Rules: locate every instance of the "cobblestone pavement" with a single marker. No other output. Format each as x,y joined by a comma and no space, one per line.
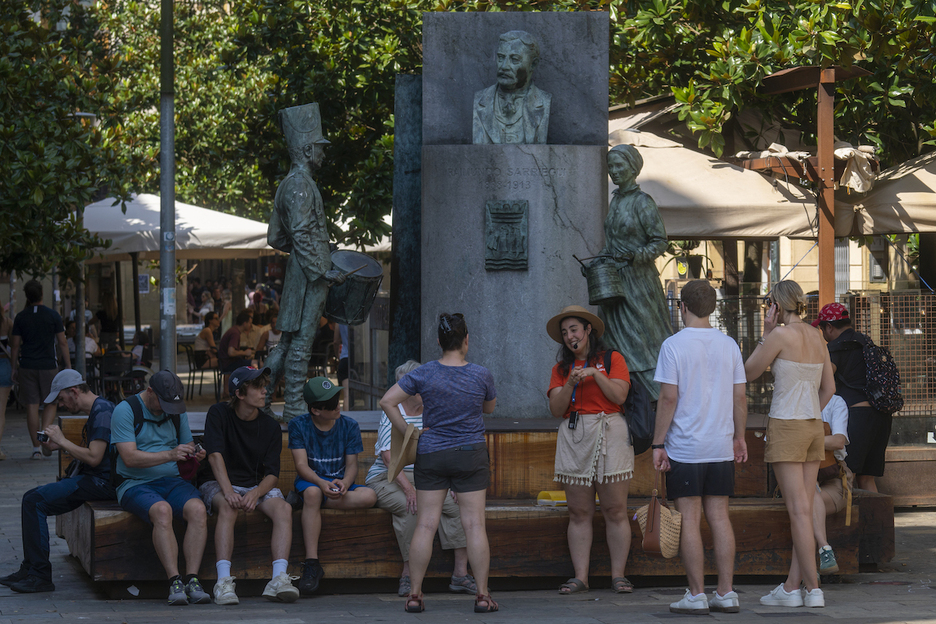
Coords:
901,591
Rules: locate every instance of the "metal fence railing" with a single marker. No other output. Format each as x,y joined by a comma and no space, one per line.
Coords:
904,322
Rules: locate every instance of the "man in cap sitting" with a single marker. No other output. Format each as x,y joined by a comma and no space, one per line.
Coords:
243,446
88,479
151,433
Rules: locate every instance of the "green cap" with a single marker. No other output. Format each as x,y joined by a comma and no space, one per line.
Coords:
319,389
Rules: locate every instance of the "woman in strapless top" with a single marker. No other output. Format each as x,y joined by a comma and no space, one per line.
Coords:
803,384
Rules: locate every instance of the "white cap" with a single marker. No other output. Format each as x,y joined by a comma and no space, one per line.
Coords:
68,378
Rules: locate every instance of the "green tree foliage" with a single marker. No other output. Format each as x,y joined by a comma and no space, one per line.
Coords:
52,67
714,55
218,119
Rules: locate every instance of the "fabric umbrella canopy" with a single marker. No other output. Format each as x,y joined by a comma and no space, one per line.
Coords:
200,233
702,197
902,200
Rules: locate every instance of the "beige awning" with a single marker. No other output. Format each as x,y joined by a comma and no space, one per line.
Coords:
200,233
903,200
702,197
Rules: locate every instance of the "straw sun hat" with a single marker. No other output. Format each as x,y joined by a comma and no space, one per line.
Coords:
555,332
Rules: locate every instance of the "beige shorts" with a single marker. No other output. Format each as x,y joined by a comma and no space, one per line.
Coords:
834,490
794,441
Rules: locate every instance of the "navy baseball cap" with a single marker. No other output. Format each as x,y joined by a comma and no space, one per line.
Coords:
242,375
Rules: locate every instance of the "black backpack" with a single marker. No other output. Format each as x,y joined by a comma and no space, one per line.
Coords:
883,379
138,419
639,412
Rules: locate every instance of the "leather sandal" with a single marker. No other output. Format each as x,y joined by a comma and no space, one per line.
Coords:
419,607
573,586
489,606
621,585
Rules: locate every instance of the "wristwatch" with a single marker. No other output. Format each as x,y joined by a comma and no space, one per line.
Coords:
657,446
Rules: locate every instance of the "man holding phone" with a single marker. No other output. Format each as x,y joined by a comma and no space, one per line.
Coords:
88,479
149,484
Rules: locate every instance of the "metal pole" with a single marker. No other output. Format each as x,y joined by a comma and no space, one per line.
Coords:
167,288
79,363
825,122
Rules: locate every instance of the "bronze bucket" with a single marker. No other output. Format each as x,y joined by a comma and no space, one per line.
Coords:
604,281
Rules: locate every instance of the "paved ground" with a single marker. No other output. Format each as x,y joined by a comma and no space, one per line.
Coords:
902,591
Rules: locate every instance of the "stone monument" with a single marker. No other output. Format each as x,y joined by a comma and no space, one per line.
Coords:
297,227
501,221
514,110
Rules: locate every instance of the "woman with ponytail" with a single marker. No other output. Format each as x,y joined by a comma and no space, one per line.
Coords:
803,384
452,454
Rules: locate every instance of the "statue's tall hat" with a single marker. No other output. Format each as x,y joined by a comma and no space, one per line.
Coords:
302,125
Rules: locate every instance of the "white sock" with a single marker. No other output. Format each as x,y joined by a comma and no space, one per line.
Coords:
36,449
224,568
824,548
279,567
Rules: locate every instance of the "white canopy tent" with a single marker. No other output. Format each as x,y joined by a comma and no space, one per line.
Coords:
702,197
200,233
902,200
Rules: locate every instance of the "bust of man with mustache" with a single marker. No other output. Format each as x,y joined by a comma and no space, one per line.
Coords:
514,110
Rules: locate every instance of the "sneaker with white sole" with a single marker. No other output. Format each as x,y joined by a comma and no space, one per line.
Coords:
827,563
281,589
813,599
224,591
724,604
691,605
780,597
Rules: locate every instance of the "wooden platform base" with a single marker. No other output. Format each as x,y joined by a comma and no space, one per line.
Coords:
526,541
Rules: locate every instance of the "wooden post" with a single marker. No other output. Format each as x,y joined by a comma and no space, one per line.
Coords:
826,141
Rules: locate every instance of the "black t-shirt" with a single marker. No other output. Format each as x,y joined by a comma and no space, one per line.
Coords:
108,325
851,374
38,325
251,449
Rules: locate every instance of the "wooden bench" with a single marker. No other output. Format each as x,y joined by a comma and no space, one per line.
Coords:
526,540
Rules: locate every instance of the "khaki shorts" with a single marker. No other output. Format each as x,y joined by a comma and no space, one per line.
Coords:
794,441
35,385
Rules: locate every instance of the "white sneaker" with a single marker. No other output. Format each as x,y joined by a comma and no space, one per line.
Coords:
224,591
725,604
814,598
780,597
691,605
281,589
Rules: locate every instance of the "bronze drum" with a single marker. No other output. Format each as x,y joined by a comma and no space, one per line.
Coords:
604,282
350,303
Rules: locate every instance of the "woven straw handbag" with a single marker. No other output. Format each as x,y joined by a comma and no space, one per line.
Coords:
659,525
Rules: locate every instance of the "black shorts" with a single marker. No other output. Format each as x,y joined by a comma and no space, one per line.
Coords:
342,370
711,479
868,434
460,469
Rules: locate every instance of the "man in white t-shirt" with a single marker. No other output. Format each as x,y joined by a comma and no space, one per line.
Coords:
701,417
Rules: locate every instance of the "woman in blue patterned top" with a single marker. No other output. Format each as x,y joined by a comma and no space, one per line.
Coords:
451,454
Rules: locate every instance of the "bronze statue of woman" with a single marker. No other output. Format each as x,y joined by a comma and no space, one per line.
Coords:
635,238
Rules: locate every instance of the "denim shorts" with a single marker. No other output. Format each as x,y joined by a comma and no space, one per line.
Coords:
6,373
173,490
301,485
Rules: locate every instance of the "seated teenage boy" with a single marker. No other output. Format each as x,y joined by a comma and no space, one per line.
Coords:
243,446
831,492
324,446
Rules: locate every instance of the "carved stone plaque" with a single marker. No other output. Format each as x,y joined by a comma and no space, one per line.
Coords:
505,236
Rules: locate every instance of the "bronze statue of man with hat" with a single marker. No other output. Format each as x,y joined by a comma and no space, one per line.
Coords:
297,227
